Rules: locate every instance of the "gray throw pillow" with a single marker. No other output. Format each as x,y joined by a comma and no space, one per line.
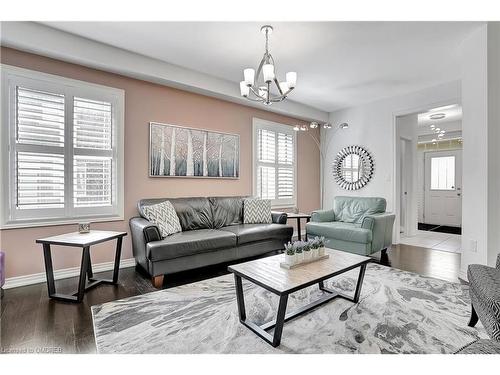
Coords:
257,211
164,216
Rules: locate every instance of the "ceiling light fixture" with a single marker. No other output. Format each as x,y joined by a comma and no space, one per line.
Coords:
437,116
258,90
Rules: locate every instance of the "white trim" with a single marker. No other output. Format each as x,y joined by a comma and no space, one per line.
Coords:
257,124
46,41
12,218
36,278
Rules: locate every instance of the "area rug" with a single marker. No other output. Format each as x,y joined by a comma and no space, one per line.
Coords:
398,312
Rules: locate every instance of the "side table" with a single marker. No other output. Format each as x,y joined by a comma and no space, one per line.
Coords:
298,217
83,240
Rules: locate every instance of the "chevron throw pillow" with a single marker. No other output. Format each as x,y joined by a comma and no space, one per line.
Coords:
164,216
257,211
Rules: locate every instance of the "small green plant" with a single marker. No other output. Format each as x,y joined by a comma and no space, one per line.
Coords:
297,246
306,246
321,241
314,243
289,250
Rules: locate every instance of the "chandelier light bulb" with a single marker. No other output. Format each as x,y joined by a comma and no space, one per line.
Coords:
303,128
296,128
327,125
433,126
244,89
313,125
284,87
291,79
268,72
249,75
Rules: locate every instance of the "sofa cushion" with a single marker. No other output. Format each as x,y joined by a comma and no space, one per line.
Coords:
226,211
353,209
340,231
164,217
189,243
257,211
247,233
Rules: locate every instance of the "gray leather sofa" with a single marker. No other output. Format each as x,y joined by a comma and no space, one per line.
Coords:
212,232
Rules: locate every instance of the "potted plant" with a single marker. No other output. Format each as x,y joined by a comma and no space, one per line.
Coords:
314,243
321,245
299,256
307,251
289,254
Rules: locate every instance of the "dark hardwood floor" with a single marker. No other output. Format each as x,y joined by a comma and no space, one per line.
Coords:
31,322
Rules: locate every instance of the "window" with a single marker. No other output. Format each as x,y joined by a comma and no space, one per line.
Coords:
443,173
64,158
274,162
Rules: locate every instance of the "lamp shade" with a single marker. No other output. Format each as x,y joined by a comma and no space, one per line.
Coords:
249,76
268,72
291,79
244,89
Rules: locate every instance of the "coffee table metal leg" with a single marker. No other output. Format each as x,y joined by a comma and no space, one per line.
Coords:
240,298
280,320
359,283
299,236
357,291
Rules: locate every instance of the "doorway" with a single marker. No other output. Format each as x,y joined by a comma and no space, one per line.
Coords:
429,181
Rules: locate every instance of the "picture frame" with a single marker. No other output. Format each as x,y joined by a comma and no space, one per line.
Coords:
196,153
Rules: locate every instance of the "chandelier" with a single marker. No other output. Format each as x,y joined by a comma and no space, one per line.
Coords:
259,90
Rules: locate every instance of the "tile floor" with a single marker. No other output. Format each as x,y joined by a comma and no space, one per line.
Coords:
434,240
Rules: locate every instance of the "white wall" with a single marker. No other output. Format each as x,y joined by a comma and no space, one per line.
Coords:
373,125
481,170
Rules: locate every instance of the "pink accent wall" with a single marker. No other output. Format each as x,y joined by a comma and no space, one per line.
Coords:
145,102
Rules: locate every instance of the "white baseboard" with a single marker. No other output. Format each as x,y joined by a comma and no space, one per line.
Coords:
14,282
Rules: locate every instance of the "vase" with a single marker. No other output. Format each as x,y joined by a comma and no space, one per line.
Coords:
299,258
315,253
307,255
321,251
290,259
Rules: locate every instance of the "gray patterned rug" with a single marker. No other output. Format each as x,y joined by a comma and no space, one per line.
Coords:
399,312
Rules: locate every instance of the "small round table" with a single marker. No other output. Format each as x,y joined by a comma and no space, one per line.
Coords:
298,217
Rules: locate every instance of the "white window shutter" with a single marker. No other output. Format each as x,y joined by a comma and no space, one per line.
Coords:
274,148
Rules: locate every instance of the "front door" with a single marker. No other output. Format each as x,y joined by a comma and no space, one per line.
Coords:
443,188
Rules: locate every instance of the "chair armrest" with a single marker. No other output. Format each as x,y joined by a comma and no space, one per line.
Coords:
322,215
498,261
279,217
381,226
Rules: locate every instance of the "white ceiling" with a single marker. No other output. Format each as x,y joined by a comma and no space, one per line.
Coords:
452,113
339,64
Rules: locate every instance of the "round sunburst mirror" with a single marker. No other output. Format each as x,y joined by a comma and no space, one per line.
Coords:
353,167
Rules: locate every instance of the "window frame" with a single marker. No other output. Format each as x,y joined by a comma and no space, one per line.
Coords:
10,217
258,124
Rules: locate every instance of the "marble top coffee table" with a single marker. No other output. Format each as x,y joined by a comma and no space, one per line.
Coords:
268,274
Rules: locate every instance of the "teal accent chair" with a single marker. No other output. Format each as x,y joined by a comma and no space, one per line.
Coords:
358,225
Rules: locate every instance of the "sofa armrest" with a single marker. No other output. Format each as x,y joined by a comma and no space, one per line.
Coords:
322,215
279,217
498,261
143,231
381,226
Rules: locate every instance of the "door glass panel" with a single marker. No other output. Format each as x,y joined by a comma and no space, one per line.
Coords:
443,173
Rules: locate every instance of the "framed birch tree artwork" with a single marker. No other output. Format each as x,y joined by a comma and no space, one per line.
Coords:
176,151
